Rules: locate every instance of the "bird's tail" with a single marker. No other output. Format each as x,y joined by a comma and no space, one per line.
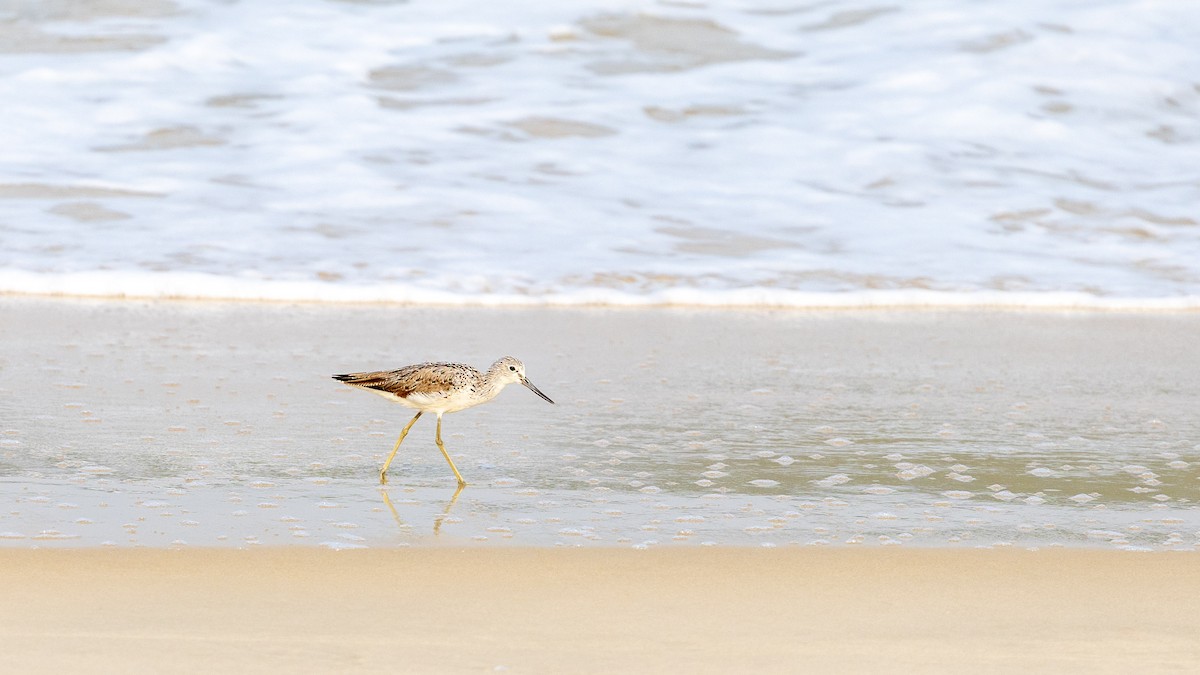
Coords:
360,379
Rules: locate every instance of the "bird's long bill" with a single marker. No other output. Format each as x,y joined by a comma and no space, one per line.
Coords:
535,390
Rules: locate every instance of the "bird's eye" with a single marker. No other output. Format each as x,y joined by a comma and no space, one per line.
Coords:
513,368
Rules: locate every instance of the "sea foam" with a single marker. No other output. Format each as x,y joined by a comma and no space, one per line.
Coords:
732,154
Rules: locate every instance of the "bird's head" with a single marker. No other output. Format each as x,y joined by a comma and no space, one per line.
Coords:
512,371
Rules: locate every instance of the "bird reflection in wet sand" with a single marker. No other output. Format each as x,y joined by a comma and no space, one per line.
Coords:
437,520
439,388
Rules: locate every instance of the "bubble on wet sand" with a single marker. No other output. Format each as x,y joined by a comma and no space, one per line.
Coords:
912,471
340,545
54,535
764,483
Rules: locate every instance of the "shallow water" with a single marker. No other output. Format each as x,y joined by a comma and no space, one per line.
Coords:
733,152
197,424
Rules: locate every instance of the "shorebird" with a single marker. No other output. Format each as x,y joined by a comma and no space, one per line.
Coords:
439,388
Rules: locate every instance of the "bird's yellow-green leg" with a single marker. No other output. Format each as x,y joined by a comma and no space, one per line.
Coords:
383,471
445,454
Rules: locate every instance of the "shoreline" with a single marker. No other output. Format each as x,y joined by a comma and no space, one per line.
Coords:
599,610
847,301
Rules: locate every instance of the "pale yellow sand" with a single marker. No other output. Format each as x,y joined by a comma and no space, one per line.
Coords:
599,610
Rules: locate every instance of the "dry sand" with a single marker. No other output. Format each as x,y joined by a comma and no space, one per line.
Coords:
599,610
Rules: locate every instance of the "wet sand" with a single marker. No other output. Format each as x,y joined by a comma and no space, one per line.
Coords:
215,424
599,610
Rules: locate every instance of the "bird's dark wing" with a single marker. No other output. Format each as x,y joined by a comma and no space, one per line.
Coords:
422,379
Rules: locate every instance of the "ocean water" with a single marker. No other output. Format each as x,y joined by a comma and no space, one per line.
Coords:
769,153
